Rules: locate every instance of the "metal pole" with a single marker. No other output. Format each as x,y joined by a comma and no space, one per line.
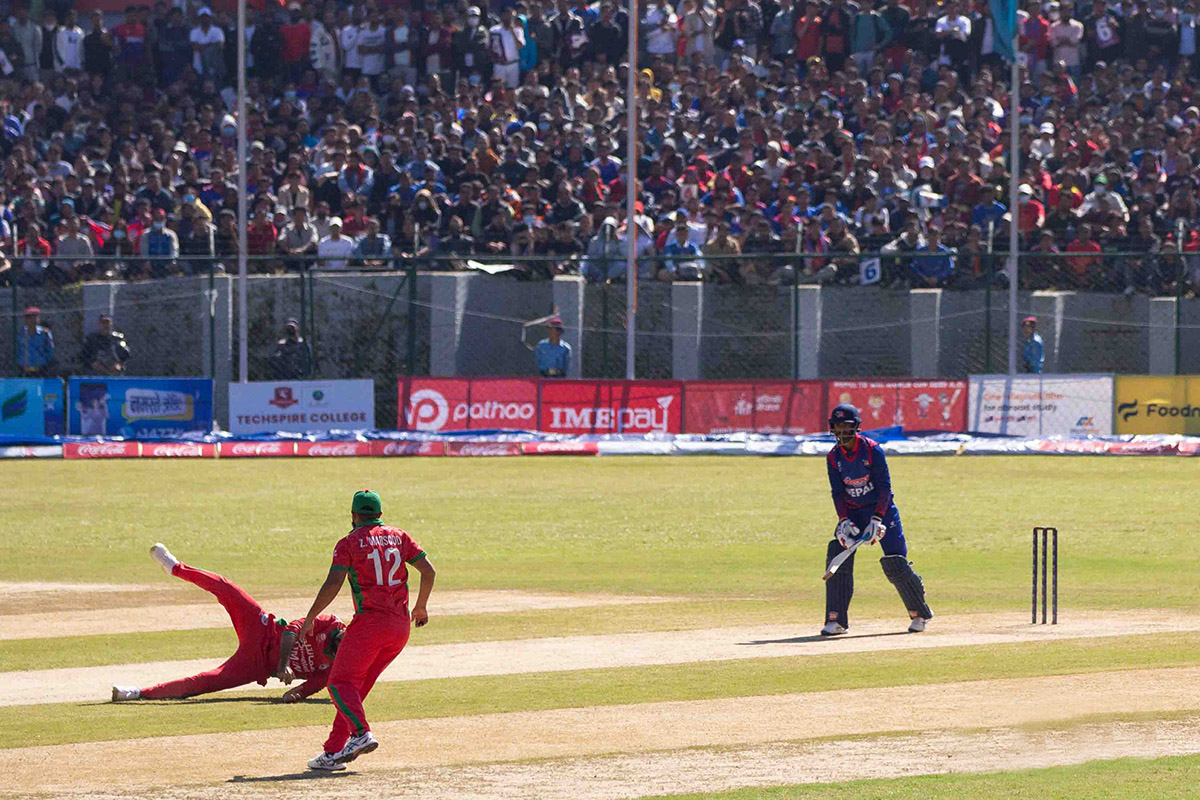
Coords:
243,345
212,320
987,296
16,326
412,317
795,331
631,229
1014,178
1179,287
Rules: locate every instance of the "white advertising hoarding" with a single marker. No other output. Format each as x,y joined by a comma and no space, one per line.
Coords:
301,406
1041,405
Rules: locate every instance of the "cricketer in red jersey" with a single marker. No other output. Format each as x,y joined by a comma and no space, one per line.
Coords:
375,557
261,637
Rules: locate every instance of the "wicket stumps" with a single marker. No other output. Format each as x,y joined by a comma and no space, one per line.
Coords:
1048,535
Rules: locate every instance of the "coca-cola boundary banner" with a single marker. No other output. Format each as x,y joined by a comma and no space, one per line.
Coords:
396,448
599,407
915,405
791,407
333,449
460,404
301,406
102,450
483,449
272,449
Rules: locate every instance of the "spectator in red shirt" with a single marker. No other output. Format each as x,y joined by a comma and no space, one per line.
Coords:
1085,268
297,36
1031,214
260,239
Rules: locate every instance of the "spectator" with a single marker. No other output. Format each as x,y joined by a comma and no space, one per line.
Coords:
675,265
32,266
35,346
334,249
160,246
74,245
553,355
292,359
1034,352
105,351
935,269
505,41
208,47
1087,264
298,239
374,248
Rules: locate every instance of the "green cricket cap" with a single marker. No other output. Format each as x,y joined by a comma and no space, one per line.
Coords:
367,503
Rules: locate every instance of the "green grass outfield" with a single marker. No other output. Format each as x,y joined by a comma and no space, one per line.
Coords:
1169,778
698,526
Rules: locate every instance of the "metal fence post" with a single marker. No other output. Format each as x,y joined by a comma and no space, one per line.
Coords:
794,332
16,327
212,320
1180,283
411,367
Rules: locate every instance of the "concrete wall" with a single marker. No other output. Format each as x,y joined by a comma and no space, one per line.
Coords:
470,324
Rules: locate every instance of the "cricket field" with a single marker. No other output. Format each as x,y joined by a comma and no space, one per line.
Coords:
610,628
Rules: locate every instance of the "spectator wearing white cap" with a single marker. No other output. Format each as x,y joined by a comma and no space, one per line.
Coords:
1043,146
334,249
1031,214
208,46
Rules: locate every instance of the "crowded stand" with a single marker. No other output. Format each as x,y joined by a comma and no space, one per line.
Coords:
778,141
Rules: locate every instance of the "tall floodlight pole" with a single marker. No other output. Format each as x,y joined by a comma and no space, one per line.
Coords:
243,347
1014,179
631,228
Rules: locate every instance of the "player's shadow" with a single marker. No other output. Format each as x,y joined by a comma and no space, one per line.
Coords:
819,638
311,775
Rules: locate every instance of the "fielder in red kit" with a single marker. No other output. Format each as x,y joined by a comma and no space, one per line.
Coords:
374,557
266,644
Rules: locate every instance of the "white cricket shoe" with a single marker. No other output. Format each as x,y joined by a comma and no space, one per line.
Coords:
121,693
358,746
833,628
327,762
918,625
163,556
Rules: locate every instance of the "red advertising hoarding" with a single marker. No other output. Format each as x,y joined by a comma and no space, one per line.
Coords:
582,407
754,407
333,449
102,450
273,449
390,448
915,405
459,404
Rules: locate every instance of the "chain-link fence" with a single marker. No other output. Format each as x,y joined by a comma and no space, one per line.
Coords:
782,315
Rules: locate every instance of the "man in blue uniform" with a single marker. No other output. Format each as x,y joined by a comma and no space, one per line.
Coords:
553,355
862,495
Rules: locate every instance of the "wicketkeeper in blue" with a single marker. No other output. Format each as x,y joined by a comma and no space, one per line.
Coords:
862,495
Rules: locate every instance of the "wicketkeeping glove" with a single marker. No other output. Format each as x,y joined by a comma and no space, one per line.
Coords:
846,533
875,530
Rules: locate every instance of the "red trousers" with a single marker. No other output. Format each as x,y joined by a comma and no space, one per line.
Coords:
248,664
372,641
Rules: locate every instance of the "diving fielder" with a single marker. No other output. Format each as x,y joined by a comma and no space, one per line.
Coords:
862,495
268,646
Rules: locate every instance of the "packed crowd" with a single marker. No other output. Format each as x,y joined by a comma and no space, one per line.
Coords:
778,140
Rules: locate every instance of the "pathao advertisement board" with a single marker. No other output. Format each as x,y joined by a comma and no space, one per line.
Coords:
790,407
459,404
1041,405
301,406
604,407
911,404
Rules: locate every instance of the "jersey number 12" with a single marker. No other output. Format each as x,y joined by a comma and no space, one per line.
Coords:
392,557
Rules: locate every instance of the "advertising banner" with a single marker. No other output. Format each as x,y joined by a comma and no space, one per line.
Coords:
581,407
1041,405
1157,404
483,448
333,449
459,404
272,449
178,450
23,405
915,405
133,407
301,406
754,407
391,448
102,450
